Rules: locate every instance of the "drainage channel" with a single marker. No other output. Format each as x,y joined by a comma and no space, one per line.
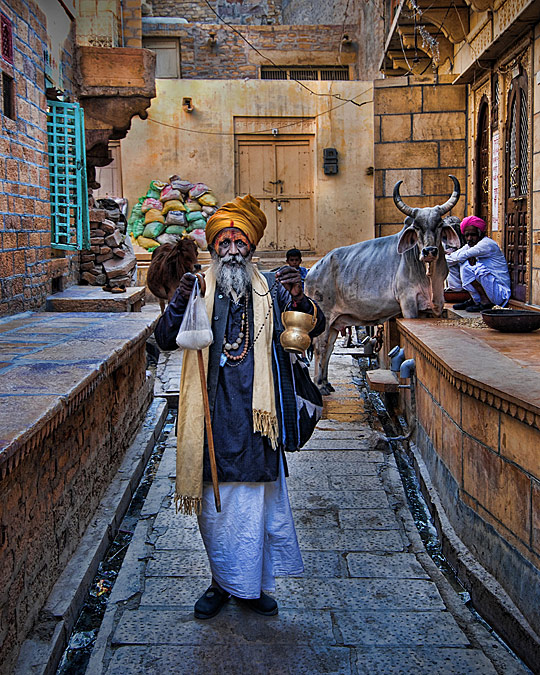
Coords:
416,502
81,642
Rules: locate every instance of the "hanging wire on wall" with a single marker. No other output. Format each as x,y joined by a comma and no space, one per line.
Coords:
252,46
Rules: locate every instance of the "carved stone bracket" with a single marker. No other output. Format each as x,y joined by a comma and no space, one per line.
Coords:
114,85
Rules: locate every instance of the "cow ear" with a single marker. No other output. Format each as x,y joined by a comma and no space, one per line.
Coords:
451,236
407,240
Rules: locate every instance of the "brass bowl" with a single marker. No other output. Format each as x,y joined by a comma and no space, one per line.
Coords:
295,338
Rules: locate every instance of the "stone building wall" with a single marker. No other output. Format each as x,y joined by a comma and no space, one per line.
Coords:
232,58
27,266
480,445
49,498
238,12
132,26
420,138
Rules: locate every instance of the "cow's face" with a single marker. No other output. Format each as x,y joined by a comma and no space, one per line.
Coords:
425,229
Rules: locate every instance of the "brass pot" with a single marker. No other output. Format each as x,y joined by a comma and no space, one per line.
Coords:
295,338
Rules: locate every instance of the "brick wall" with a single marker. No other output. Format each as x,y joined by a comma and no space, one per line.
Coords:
26,267
48,500
420,138
232,58
238,12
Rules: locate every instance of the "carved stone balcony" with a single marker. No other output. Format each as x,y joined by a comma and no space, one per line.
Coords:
114,84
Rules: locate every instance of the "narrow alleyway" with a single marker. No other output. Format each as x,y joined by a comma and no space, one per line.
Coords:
371,600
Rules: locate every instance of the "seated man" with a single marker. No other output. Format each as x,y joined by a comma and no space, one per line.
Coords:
482,268
294,259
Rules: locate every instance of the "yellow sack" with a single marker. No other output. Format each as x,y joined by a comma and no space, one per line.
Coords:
153,216
173,205
207,199
147,243
192,205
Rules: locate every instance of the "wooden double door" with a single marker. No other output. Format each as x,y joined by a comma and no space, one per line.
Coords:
279,173
517,186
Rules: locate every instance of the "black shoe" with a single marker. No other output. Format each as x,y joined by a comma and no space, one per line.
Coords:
479,307
264,605
464,305
211,602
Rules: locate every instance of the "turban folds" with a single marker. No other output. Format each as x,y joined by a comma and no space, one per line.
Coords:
243,213
475,221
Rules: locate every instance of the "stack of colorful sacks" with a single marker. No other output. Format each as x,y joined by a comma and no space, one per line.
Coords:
170,211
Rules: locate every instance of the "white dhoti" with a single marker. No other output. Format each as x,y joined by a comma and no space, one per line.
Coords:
253,539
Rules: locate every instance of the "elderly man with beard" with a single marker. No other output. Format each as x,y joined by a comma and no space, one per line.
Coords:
254,415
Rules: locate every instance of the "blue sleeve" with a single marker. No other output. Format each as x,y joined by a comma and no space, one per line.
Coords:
169,322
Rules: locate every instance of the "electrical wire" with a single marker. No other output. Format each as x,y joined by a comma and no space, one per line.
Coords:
252,46
263,131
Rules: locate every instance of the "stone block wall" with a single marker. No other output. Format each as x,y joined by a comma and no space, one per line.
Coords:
49,498
132,25
232,58
481,451
420,138
27,266
243,12
362,22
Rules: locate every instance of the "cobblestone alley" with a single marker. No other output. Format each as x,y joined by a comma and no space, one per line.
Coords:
371,600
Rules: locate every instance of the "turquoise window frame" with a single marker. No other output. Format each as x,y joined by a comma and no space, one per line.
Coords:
70,225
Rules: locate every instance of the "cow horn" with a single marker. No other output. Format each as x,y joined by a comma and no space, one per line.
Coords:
449,205
399,202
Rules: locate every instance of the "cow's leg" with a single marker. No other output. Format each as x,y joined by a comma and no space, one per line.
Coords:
437,288
324,348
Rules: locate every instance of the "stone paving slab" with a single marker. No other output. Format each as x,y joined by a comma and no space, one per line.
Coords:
400,629
229,659
425,661
145,626
387,564
349,499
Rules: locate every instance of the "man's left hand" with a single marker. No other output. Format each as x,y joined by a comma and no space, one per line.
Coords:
291,279
472,261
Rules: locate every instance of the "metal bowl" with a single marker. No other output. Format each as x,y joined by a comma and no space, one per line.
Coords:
512,320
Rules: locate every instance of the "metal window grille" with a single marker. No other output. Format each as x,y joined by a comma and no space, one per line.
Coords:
6,32
305,73
70,227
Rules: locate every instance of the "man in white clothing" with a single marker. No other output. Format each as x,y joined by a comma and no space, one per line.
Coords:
480,268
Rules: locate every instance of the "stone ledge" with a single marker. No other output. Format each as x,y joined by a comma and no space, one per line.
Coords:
50,364
475,361
94,299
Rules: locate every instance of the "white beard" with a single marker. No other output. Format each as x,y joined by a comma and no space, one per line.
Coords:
233,274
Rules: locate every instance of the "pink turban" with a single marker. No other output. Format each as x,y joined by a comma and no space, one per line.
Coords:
475,221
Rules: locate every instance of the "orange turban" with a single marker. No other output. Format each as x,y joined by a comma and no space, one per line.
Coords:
243,213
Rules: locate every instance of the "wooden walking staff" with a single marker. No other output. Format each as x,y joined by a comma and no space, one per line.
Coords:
207,419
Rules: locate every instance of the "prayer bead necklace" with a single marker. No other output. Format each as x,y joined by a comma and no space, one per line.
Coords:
243,334
248,347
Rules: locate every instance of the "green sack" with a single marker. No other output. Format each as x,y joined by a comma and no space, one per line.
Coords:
175,229
195,215
153,230
138,227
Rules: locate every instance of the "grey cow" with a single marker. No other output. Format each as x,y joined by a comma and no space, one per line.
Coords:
372,281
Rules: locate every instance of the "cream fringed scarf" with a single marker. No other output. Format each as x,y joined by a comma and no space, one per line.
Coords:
190,430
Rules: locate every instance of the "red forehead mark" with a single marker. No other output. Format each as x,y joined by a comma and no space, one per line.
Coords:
233,235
